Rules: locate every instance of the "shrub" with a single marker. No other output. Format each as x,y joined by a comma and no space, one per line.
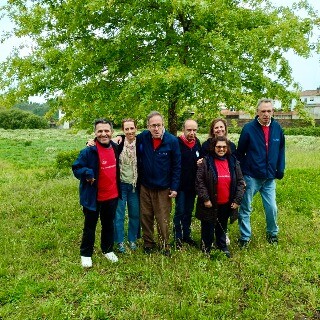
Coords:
18,119
303,131
65,159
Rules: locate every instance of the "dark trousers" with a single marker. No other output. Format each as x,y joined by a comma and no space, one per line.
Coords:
106,210
183,215
217,229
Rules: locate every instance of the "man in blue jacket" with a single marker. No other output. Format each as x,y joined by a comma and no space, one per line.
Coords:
261,152
97,168
159,175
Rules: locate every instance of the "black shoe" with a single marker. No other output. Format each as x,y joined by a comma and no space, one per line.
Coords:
166,252
147,250
178,244
272,239
227,253
243,243
190,242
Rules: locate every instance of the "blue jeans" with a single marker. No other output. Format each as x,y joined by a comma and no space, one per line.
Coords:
130,198
183,215
267,189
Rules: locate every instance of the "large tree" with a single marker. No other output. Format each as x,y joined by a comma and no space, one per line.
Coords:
125,58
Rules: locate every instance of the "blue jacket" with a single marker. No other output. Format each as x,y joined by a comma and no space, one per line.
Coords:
160,168
254,159
86,166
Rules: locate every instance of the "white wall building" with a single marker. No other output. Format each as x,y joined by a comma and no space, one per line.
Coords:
311,100
63,124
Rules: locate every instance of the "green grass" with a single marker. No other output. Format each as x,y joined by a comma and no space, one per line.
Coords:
40,233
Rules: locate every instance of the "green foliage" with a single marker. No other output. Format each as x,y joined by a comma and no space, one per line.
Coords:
65,159
36,108
303,131
40,234
130,57
18,119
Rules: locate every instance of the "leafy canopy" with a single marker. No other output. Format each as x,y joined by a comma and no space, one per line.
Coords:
126,58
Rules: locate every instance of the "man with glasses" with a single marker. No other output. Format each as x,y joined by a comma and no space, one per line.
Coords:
261,152
159,166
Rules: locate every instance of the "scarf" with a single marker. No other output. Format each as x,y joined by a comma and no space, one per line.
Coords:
129,156
189,144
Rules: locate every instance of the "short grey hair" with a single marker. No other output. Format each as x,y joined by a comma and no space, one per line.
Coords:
153,114
264,100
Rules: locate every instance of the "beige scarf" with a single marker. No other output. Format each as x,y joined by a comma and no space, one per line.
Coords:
129,156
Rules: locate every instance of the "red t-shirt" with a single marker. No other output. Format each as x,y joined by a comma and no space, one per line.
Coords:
224,181
107,182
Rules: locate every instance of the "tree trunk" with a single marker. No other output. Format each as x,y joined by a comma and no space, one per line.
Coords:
173,117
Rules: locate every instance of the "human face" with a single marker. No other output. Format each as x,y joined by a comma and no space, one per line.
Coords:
103,133
219,130
190,130
220,148
129,130
265,112
156,126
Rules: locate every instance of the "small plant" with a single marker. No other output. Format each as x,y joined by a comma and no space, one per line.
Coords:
65,159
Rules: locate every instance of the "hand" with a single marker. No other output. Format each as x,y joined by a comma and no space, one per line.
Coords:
117,139
91,181
172,194
208,204
90,143
234,205
199,161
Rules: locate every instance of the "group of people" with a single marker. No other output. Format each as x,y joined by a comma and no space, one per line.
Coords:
144,172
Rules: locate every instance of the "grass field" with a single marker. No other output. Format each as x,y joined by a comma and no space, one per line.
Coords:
40,231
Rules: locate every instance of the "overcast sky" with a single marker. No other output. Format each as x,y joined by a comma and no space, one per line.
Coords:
305,71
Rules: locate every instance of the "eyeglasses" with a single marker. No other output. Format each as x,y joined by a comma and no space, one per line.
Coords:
221,147
155,125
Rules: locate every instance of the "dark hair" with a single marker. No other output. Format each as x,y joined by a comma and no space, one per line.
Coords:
128,120
102,120
214,142
213,123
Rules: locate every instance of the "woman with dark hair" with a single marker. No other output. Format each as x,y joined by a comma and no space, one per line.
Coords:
218,128
220,187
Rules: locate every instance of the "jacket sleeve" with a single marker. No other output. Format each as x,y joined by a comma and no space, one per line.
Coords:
281,158
240,184
242,144
80,167
201,188
175,166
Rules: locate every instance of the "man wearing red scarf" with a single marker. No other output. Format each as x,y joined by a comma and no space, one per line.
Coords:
190,151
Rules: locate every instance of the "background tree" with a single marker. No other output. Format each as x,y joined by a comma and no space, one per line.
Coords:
120,58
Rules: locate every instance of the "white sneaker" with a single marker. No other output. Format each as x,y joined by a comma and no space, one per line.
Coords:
86,262
227,240
111,256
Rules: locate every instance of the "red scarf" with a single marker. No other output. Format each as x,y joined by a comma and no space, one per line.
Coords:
189,144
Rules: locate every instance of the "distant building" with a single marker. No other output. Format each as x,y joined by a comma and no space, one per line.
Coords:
311,100
63,124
